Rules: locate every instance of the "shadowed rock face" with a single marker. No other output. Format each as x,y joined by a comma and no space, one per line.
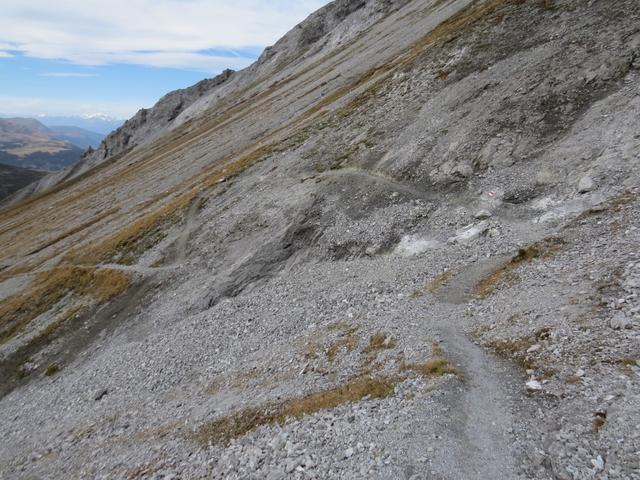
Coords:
404,241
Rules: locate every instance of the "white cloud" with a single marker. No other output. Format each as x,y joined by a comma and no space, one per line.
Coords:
168,33
5,54
68,74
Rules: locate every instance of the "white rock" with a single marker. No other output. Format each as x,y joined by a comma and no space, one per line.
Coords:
291,465
598,463
534,348
534,385
278,442
586,184
620,321
411,245
483,214
470,232
348,453
580,373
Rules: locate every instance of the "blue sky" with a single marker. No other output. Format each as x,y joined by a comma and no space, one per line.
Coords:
82,57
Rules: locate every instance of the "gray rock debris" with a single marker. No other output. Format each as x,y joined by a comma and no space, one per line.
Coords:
620,321
586,184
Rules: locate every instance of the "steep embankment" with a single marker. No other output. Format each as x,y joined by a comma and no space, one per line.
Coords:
401,245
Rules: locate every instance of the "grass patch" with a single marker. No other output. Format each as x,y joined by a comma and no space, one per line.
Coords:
348,342
613,205
379,342
436,284
363,386
52,369
237,424
516,348
74,230
94,284
440,281
434,367
128,243
505,274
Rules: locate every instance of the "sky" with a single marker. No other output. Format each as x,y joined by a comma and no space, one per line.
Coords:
97,57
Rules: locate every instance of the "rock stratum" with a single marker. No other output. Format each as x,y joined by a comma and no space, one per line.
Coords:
402,244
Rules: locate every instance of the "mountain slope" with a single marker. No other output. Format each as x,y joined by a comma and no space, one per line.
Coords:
402,244
27,143
14,178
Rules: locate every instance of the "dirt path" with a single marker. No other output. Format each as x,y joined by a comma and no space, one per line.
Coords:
481,419
459,288
477,433
180,251
367,176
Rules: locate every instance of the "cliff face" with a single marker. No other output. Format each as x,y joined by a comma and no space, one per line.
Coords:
149,124
404,241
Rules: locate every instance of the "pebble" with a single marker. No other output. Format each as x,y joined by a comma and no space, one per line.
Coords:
620,321
534,348
100,393
586,184
483,214
534,385
598,463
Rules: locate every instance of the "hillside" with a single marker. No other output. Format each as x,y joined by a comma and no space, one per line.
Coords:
26,143
13,179
402,244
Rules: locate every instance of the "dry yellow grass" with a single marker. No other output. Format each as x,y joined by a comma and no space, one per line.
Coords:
128,243
379,341
93,284
436,284
436,366
75,230
514,349
52,369
505,274
239,423
348,342
234,425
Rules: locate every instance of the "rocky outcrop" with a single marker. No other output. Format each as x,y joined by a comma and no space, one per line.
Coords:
149,123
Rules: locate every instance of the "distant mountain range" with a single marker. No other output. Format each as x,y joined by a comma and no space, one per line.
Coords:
27,143
102,124
77,136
